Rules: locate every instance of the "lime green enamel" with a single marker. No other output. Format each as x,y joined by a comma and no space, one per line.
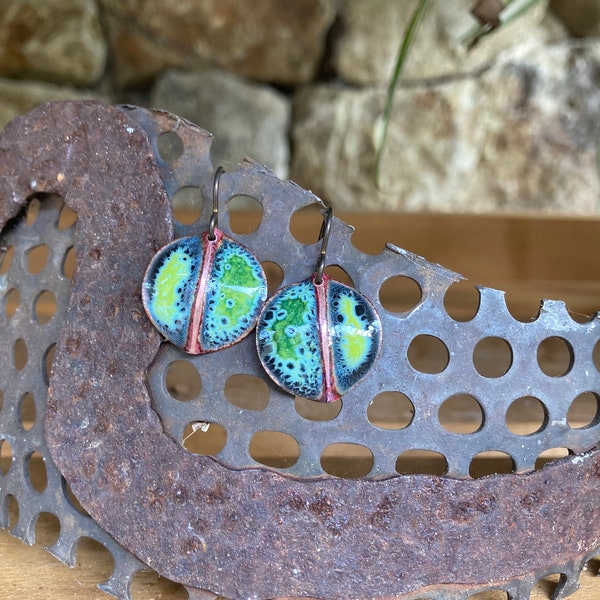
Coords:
237,286
238,273
286,344
171,276
235,292
354,344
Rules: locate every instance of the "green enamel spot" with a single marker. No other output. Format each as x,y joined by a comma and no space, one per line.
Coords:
170,277
286,331
169,287
355,332
288,340
235,293
354,344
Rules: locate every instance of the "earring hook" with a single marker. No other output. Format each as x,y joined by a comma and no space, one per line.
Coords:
214,218
324,237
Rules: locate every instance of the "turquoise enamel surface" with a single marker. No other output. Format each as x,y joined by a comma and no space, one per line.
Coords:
235,294
288,340
355,333
291,334
204,295
169,287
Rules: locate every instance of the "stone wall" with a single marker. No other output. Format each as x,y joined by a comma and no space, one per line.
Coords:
511,126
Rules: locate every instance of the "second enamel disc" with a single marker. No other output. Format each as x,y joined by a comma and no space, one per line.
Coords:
318,340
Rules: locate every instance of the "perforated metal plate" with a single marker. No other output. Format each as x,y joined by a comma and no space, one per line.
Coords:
464,371
250,518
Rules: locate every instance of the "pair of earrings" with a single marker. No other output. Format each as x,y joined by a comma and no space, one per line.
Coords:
315,338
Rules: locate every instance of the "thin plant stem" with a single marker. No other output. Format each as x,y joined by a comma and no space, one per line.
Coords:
403,52
513,9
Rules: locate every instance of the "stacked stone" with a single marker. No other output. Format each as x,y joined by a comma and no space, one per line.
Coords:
510,126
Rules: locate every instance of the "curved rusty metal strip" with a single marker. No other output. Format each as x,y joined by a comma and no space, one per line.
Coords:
252,533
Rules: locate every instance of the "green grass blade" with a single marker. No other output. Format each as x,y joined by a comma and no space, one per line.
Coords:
403,52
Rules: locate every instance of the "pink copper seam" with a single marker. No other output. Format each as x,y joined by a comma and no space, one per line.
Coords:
329,392
209,249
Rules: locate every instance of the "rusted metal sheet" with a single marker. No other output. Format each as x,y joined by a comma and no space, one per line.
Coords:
252,533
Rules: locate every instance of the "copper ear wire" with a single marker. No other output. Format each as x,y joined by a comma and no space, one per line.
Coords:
214,217
324,237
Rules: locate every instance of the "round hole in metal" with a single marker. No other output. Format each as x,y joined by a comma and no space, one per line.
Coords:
339,274
428,354
6,457
6,257
421,462
526,415
245,214
170,146
182,380
305,223
48,361
400,294
492,357
247,392
45,306
37,258
32,211
38,476
584,411
20,354
274,449
27,411
187,204
317,411
391,410
67,217
555,356
596,355
461,301
12,299
12,509
461,413
274,275
68,265
491,462
47,529
550,455
349,461
200,437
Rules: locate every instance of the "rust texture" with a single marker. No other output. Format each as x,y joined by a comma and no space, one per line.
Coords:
250,533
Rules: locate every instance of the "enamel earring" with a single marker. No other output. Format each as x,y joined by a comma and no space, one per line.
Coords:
319,337
204,293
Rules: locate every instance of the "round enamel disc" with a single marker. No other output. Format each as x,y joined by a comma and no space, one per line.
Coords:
204,295
318,340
